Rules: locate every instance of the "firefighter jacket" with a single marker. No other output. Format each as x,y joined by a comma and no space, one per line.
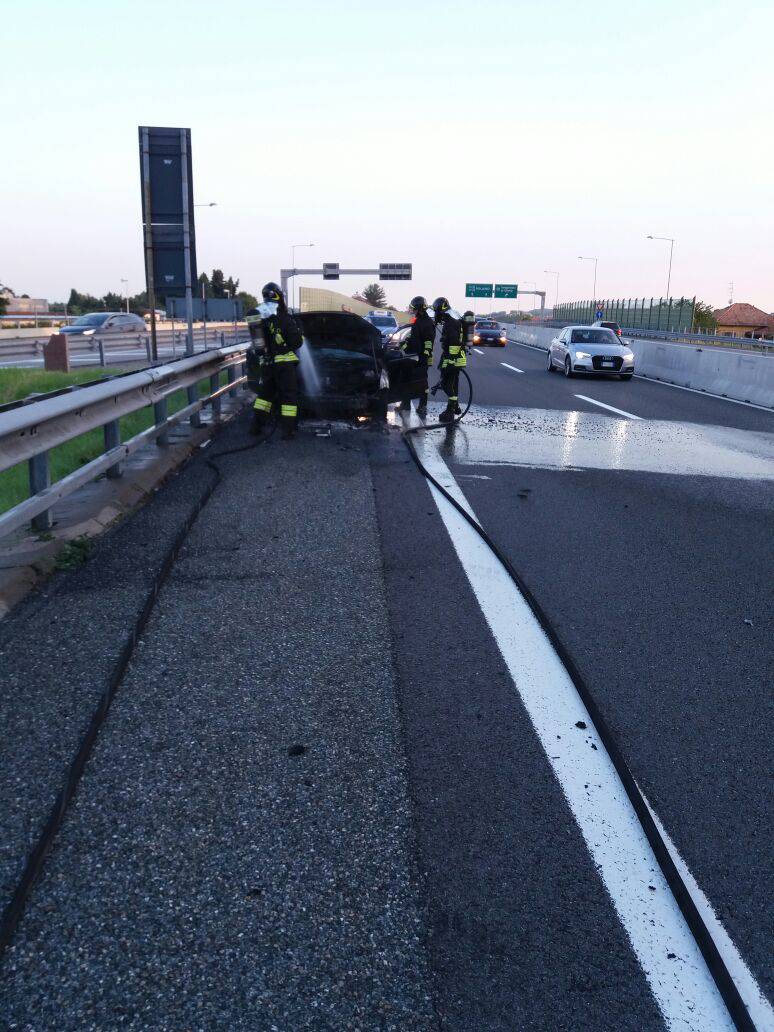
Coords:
421,338
281,336
452,342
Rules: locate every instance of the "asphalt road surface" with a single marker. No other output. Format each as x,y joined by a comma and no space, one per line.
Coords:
347,782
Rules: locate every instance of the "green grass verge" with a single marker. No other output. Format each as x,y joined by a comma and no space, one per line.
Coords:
18,383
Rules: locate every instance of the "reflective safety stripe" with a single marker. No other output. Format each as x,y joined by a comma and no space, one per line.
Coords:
289,410
261,405
453,397
289,356
252,319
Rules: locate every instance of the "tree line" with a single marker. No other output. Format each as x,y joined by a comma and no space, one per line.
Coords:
215,285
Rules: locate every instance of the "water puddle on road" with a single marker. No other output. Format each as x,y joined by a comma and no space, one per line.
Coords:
552,439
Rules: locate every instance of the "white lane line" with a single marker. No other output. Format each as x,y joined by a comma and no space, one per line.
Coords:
478,352
513,367
618,411
532,347
753,998
706,394
674,967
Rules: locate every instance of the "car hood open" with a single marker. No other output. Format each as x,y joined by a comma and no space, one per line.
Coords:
340,331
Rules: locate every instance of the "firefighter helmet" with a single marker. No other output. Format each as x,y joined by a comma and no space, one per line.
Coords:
441,306
271,292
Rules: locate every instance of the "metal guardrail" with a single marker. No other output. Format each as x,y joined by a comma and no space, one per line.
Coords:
766,347
29,432
105,349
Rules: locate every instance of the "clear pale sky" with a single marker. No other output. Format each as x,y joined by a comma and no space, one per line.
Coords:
482,141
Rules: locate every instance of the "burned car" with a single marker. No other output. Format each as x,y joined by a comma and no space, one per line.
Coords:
345,368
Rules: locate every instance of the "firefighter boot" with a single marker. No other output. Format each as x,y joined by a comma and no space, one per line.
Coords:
257,424
447,416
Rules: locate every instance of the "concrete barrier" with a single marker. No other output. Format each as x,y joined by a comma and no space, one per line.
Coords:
729,374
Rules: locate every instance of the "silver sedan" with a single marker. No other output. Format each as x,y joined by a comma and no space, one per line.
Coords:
590,349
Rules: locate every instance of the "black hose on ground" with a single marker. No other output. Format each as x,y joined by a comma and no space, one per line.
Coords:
701,933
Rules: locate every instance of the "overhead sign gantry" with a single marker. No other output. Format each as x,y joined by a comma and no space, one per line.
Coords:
332,271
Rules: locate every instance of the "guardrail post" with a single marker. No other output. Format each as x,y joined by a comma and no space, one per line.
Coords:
243,373
101,347
160,415
222,339
112,433
231,375
40,479
215,404
192,393
148,351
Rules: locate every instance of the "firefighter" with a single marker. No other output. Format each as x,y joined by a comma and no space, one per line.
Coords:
453,356
279,367
420,342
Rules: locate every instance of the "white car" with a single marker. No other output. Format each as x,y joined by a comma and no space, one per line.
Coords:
590,349
384,321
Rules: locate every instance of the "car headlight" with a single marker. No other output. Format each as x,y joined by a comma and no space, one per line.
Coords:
384,380
582,354
476,338
88,333
503,340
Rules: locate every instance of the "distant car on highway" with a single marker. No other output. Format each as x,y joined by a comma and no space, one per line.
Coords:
609,326
487,332
346,368
385,322
590,349
103,324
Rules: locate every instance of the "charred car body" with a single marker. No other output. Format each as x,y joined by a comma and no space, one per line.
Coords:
345,367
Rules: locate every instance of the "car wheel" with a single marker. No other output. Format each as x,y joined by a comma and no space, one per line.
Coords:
550,365
568,368
626,376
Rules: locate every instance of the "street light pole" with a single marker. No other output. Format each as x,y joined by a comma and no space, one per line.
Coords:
550,272
595,260
126,294
293,265
671,243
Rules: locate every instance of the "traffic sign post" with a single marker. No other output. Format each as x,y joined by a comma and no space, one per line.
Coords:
478,290
332,271
506,290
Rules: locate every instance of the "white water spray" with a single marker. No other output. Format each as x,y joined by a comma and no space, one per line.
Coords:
309,369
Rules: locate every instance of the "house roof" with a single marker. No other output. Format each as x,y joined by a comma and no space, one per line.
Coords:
742,314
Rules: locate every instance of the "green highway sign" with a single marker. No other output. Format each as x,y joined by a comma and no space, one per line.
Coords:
506,290
478,290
